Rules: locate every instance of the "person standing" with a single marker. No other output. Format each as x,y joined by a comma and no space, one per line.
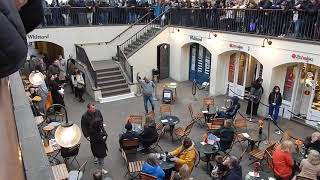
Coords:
54,68
63,69
78,84
256,92
282,160
147,90
88,117
56,91
275,101
98,137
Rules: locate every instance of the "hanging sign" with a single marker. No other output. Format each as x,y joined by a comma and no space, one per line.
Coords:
235,46
301,57
37,36
196,38
307,92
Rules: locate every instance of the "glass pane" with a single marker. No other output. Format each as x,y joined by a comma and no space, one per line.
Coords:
242,68
200,60
193,58
232,67
207,63
289,83
316,99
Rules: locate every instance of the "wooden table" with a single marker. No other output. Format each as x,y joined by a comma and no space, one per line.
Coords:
52,152
60,172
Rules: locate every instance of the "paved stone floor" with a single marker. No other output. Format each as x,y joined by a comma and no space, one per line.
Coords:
115,113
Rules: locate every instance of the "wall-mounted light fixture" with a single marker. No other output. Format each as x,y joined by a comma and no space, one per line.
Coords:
175,29
212,34
268,41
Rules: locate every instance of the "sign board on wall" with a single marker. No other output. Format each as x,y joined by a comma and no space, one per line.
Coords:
301,57
235,46
195,38
37,37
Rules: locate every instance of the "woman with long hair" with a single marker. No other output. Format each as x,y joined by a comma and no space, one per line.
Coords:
256,92
282,161
151,166
310,167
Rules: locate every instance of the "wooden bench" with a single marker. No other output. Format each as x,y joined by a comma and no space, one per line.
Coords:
60,172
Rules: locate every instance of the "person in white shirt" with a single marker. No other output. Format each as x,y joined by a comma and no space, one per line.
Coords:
78,83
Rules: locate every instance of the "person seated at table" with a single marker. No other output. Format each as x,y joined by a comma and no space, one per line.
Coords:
282,161
234,171
149,134
97,175
310,167
185,154
151,166
232,110
226,135
218,168
313,141
183,174
129,134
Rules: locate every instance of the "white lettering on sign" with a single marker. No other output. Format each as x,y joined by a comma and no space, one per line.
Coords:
301,57
33,36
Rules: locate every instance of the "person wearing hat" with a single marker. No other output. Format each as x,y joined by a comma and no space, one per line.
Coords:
129,134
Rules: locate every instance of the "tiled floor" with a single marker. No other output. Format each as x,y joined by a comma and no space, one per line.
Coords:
115,113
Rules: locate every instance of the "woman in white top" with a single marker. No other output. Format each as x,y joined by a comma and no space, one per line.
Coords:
78,83
310,167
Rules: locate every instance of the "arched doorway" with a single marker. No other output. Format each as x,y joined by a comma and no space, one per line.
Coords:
300,84
199,63
52,50
241,70
163,60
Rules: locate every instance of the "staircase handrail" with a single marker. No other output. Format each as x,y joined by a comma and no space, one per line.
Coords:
128,73
146,26
135,23
89,65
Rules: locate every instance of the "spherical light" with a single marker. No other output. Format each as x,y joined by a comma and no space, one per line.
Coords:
68,135
36,78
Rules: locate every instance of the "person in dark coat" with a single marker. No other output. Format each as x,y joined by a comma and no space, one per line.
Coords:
232,110
226,135
17,18
55,88
256,92
149,134
313,141
234,171
129,134
91,115
54,67
275,101
98,138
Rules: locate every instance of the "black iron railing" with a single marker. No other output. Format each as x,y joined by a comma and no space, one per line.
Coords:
83,16
82,57
279,23
154,25
125,65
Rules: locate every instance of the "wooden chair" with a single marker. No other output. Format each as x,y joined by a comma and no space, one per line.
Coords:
144,176
183,132
215,124
165,109
156,144
77,174
130,144
196,116
286,136
268,158
134,167
208,101
302,178
240,125
135,119
151,114
60,171
259,155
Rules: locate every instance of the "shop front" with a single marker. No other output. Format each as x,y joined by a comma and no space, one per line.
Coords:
301,91
243,69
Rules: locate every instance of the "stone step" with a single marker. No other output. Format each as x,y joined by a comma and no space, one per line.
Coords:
117,97
111,82
107,69
111,77
108,73
107,93
114,86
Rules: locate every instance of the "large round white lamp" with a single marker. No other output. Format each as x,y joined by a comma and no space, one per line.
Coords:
36,78
67,134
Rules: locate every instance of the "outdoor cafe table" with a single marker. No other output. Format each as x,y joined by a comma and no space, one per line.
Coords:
208,150
136,128
208,113
170,121
167,167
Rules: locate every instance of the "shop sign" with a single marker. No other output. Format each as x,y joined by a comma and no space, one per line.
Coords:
195,38
235,46
301,57
37,37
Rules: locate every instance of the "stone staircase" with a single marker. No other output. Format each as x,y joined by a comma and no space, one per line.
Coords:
110,79
140,42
